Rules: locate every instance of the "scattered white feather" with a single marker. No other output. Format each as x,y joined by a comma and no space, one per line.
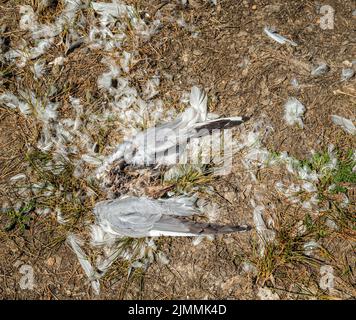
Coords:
38,69
41,48
331,224
310,246
100,238
320,70
48,112
311,203
267,294
76,244
293,112
309,187
28,20
304,173
347,74
344,123
106,80
326,281
198,240
295,83
249,268
91,160
60,218
59,61
265,234
277,37
125,61
162,258
10,100
113,9
18,177
150,89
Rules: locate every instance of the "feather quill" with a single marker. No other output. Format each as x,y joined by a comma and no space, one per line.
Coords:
75,243
277,37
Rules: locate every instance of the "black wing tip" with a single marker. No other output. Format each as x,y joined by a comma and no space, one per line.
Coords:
243,228
219,229
238,228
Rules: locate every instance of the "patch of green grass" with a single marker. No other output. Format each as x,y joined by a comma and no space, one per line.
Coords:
315,227
317,161
190,177
58,177
344,173
339,175
287,250
20,219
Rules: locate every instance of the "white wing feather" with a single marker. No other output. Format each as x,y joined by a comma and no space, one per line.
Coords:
344,123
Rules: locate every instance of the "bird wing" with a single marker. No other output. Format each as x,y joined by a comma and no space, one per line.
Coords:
142,217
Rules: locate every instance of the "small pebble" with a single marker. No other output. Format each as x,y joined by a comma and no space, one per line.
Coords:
50,261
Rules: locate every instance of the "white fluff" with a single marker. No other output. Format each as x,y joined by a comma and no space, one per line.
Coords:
44,34
347,74
293,112
125,61
310,246
60,218
91,160
320,70
110,9
277,37
267,294
326,281
59,61
309,187
162,258
311,203
38,69
106,79
10,100
28,20
150,89
41,47
344,123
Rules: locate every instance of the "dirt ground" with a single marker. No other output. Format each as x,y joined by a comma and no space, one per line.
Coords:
244,73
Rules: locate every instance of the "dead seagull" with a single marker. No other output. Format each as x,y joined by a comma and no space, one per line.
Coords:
143,217
164,143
